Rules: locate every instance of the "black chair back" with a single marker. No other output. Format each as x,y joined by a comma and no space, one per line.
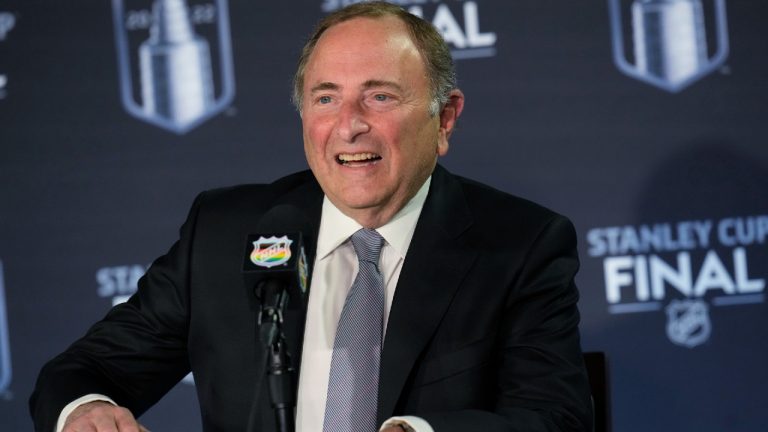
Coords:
597,369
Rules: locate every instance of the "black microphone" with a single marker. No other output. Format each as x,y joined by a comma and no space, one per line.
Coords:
276,276
278,258
277,254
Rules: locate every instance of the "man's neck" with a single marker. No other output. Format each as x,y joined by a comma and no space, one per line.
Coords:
376,217
372,219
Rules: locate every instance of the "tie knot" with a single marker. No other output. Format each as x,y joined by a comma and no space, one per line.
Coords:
367,244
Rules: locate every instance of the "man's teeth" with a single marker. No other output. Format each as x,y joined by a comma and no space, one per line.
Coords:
358,157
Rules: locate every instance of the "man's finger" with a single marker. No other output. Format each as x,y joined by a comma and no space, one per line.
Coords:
125,421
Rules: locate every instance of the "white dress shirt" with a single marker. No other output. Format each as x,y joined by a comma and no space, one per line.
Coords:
334,271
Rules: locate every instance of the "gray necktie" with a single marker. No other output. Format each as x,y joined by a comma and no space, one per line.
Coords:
353,384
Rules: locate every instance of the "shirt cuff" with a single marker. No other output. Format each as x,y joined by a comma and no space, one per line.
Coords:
76,403
409,423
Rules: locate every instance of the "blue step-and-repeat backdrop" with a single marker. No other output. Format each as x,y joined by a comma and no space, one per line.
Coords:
644,121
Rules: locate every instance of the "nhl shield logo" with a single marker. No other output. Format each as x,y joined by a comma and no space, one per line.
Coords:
174,60
272,251
669,40
688,322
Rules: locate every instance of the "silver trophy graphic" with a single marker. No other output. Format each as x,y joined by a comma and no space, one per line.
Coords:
669,41
5,346
669,38
7,22
176,75
174,67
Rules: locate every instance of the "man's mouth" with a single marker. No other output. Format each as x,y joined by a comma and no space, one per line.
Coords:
352,159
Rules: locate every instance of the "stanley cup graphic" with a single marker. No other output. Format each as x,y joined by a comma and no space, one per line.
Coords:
5,348
669,38
176,75
173,71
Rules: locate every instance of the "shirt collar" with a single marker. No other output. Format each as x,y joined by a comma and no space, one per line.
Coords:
336,227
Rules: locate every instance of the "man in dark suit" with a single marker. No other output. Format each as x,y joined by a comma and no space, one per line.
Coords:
480,313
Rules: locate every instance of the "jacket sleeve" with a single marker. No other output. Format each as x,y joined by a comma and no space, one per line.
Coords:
137,352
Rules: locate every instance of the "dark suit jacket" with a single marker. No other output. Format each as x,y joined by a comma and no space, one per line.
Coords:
482,331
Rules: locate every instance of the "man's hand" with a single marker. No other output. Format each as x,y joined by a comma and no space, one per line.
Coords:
100,416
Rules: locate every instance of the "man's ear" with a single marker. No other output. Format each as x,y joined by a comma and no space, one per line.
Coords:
448,117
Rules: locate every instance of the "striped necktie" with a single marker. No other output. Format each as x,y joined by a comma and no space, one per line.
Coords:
353,384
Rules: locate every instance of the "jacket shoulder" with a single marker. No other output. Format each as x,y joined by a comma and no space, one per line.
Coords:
488,202
256,194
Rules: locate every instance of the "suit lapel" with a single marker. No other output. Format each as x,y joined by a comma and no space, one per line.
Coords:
432,271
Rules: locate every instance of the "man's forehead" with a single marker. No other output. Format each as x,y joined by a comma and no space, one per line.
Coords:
388,22
365,33
373,43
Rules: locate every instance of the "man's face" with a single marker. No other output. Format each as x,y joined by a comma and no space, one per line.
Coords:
368,135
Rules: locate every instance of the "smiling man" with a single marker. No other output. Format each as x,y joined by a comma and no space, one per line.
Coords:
436,303
370,134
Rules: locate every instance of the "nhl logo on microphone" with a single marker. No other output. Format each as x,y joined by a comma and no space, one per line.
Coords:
271,252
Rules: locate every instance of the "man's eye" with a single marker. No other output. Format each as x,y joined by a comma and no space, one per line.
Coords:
381,97
324,99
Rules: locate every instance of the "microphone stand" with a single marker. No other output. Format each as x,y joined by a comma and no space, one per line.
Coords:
273,299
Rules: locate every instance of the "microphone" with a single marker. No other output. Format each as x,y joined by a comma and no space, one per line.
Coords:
274,260
275,257
276,273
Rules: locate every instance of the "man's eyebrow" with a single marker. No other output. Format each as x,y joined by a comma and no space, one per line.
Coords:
382,83
324,86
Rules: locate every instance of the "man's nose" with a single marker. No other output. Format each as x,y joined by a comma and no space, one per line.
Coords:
352,121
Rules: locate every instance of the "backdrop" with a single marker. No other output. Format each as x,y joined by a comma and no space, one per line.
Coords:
643,121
